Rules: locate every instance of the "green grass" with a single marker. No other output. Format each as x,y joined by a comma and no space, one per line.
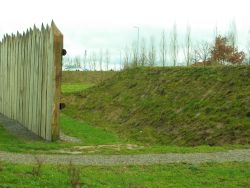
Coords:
235,174
10,143
94,136
89,135
86,77
185,106
96,130
74,88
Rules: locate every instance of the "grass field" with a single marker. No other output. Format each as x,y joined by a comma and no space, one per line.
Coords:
172,175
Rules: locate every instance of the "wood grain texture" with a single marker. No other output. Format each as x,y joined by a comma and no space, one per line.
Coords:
30,79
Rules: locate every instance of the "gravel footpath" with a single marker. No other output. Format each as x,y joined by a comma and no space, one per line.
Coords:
142,159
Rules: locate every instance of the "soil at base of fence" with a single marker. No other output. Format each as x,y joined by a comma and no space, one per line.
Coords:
19,131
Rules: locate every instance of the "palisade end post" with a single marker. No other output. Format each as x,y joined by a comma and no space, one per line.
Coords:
58,47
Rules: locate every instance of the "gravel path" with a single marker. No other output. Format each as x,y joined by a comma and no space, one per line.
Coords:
142,159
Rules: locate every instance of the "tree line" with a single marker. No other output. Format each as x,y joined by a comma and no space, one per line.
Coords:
221,50
170,51
94,61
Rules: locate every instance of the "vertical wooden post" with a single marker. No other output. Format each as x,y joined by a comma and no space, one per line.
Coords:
58,46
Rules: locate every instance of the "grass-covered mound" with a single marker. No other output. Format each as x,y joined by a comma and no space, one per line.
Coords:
181,106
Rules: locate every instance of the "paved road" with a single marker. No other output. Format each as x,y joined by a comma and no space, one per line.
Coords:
141,159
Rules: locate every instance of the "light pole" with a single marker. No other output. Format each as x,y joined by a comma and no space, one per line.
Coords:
138,41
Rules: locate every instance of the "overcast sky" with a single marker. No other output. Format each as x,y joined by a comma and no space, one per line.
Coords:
95,24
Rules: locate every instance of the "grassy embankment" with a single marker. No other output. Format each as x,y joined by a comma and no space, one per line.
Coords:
185,106
172,175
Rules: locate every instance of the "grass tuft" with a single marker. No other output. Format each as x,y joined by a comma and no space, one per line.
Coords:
74,174
37,168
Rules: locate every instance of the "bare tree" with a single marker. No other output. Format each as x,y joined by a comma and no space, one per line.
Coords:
121,67
216,33
89,61
107,59
94,59
195,56
85,60
202,52
143,54
126,57
66,61
100,59
163,49
248,48
232,34
187,46
135,54
77,62
174,45
152,52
